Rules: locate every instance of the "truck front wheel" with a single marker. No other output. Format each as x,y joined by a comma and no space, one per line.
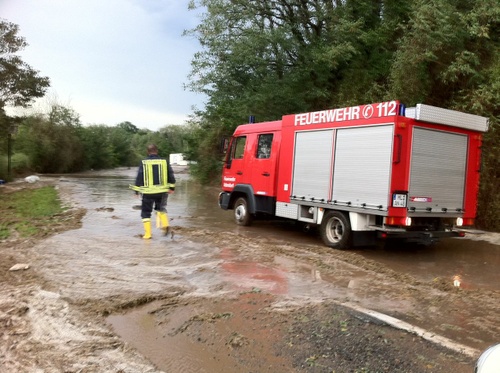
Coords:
336,230
241,214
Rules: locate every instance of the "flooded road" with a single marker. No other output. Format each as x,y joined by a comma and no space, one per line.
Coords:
475,262
243,268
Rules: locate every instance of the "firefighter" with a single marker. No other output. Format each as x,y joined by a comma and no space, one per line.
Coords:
155,181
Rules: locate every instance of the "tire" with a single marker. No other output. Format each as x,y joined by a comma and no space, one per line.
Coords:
336,230
241,214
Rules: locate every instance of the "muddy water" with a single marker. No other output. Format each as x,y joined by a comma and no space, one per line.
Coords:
475,262
203,270
140,329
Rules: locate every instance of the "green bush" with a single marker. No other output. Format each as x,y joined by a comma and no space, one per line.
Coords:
20,164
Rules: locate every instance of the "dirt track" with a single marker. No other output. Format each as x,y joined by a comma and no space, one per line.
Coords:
54,316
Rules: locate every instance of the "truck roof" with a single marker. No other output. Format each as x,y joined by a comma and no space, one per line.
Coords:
258,127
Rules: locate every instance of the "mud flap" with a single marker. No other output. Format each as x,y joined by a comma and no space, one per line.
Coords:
224,199
364,238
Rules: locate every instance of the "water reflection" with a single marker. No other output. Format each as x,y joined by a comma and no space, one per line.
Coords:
463,263
474,263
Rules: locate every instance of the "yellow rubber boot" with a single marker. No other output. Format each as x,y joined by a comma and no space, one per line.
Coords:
164,222
147,229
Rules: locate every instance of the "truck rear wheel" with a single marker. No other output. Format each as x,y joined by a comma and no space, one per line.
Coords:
241,214
336,230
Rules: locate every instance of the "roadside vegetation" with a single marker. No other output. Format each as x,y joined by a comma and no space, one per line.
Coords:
29,212
270,58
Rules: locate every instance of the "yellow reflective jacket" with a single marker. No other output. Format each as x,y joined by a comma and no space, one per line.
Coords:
154,176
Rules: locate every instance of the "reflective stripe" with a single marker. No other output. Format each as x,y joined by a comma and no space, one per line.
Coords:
148,167
151,190
162,185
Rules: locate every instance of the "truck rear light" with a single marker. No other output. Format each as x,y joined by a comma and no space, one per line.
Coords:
393,220
461,222
469,222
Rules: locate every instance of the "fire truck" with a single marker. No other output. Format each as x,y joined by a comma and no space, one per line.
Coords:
361,173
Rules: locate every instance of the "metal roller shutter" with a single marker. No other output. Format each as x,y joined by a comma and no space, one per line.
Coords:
363,159
312,164
437,175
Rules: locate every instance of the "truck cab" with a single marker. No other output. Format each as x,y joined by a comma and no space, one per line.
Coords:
250,174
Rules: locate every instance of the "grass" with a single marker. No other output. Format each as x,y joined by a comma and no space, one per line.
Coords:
28,211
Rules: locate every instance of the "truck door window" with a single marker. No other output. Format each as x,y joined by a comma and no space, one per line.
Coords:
239,147
264,146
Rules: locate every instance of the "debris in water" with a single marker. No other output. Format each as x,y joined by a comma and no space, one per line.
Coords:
19,267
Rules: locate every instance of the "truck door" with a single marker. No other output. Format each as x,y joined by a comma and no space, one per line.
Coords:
264,165
235,171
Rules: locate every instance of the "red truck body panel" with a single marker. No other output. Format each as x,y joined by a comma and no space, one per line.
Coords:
372,160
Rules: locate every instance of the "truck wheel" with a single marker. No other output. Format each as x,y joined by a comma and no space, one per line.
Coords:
336,231
241,214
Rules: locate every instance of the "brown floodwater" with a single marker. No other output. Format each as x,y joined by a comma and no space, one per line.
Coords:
475,263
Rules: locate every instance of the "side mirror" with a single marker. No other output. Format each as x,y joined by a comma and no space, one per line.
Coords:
224,144
489,361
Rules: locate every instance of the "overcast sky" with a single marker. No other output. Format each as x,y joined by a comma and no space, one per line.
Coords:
111,60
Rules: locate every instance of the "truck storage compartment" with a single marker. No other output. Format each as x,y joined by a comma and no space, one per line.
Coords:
312,165
437,171
362,171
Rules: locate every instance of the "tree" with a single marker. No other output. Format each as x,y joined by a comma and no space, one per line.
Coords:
268,58
99,151
449,50
52,141
19,83
128,127
175,138
449,57
120,139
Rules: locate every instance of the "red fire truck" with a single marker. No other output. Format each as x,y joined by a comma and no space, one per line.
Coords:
360,173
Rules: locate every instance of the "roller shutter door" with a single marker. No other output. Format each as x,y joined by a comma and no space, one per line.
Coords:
363,159
437,174
312,164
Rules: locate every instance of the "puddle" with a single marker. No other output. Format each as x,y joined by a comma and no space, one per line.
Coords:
141,329
205,335
473,263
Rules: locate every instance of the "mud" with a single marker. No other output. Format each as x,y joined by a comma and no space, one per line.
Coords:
218,298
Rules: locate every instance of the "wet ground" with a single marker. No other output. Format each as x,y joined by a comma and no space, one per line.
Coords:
216,297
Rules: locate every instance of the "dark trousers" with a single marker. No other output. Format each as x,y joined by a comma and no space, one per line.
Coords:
158,202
